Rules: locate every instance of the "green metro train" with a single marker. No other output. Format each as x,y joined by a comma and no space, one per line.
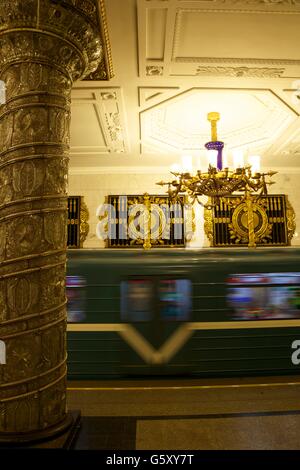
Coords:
202,313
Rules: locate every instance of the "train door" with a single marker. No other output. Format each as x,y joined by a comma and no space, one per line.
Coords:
156,311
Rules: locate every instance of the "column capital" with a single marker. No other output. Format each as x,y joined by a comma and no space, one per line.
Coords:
69,35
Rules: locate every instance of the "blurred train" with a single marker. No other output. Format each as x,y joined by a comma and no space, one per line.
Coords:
204,313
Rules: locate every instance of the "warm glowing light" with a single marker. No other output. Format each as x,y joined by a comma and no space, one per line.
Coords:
212,156
225,159
254,161
238,158
187,163
175,168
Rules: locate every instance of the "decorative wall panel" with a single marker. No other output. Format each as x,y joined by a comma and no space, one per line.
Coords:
274,221
78,227
165,229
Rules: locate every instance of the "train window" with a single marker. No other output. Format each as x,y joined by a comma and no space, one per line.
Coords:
175,299
267,296
137,298
75,290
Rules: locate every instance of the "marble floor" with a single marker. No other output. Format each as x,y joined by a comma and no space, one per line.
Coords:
224,414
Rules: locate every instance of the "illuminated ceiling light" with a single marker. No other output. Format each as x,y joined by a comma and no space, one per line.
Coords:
238,158
218,183
225,159
212,156
254,162
187,163
175,168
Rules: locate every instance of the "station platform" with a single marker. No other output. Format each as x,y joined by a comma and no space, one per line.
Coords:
260,413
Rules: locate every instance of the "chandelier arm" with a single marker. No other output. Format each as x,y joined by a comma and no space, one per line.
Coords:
206,206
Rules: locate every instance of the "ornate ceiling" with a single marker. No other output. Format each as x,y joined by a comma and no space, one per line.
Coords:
250,119
176,60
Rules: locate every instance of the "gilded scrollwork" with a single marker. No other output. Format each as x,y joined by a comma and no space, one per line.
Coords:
32,75
25,179
12,80
238,227
84,226
59,125
291,219
55,229
208,224
3,304
22,296
53,404
273,221
32,125
6,130
6,190
151,221
22,235
52,288
74,31
56,178
25,77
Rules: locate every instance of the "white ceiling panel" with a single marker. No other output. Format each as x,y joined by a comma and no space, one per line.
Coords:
241,35
177,60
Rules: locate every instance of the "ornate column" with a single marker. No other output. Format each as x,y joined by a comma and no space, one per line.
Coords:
45,46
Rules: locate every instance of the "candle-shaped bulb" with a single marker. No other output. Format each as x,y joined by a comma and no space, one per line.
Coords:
254,161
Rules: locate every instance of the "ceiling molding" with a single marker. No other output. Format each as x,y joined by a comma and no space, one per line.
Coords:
289,142
204,62
102,111
249,72
149,96
154,70
251,5
183,32
236,60
169,38
120,170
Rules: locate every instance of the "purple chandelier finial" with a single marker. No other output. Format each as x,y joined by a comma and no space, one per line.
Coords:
215,144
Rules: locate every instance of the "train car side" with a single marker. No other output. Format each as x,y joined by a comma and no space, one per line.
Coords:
210,340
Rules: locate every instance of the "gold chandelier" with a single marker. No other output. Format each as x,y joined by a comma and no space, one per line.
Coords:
219,183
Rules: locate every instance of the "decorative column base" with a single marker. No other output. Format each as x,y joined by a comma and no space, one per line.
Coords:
62,435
